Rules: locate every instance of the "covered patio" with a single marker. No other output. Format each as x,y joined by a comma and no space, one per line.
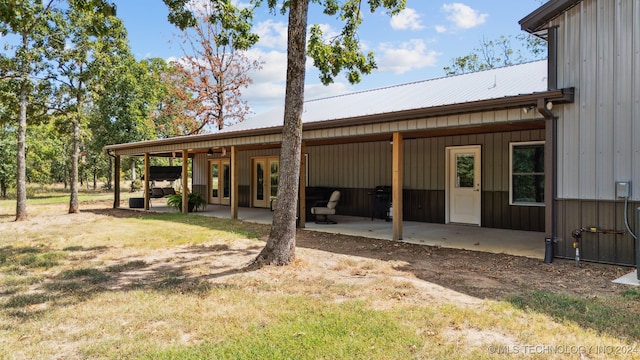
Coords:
474,238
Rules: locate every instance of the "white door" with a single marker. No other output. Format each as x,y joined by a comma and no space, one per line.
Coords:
220,181
260,198
463,185
265,181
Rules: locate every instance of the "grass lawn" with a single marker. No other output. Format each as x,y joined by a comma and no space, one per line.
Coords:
119,284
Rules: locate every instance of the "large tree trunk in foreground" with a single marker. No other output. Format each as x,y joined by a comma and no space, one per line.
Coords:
281,245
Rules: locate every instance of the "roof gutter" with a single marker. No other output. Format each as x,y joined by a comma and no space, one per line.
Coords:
536,22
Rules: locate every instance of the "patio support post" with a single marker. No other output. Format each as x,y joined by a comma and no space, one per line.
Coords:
396,185
185,181
116,182
302,196
234,182
147,171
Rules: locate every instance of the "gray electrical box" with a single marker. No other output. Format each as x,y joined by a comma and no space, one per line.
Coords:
623,189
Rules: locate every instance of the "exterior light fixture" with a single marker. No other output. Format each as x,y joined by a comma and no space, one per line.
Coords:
549,105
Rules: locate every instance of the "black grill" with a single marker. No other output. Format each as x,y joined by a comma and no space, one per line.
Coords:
381,202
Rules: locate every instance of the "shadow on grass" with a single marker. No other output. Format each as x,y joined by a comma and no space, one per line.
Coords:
67,287
245,229
582,295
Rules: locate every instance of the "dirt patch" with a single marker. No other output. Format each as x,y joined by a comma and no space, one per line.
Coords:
350,258
479,274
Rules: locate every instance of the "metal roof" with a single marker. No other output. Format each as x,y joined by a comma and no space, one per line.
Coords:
527,78
536,22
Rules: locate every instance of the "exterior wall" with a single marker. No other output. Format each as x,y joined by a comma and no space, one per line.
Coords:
199,174
606,247
598,135
244,171
358,167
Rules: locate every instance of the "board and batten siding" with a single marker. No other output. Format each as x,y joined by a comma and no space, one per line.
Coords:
356,168
200,174
368,164
599,135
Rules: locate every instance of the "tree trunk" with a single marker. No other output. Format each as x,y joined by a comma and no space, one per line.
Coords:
281,245
3,188
73,200
95,176
21,158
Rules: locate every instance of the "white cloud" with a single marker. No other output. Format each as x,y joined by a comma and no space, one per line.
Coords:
463,16
411,55
440,29
408,19
319,91
268,85
273,34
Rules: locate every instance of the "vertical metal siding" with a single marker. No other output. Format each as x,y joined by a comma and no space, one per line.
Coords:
598,141
199,170
605,96
623,100
635,107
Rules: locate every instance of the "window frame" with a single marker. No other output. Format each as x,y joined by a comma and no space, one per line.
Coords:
513,145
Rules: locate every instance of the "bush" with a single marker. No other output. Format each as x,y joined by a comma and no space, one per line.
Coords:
196,201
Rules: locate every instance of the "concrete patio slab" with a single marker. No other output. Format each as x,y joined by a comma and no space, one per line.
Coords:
513,242
629,279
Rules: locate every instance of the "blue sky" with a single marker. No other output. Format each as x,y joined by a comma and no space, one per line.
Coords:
413,46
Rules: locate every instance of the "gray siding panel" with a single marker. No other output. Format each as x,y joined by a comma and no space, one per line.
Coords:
611,244
200,170
598,134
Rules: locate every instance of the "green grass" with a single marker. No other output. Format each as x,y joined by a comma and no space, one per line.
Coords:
156,286
604,314
17,259
312,330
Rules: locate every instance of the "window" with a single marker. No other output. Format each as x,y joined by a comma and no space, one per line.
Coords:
526,166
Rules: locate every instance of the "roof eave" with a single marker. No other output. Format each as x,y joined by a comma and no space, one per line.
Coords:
557,96
537,21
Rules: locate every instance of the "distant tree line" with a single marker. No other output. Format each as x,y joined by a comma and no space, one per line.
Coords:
69,85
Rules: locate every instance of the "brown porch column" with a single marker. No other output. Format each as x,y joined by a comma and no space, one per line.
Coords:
185,181
116,182
396,185
147,171
234,182
302,196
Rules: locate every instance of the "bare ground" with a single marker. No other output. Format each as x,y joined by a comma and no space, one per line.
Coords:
477,274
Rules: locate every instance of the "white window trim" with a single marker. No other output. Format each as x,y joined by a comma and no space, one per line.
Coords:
511,146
